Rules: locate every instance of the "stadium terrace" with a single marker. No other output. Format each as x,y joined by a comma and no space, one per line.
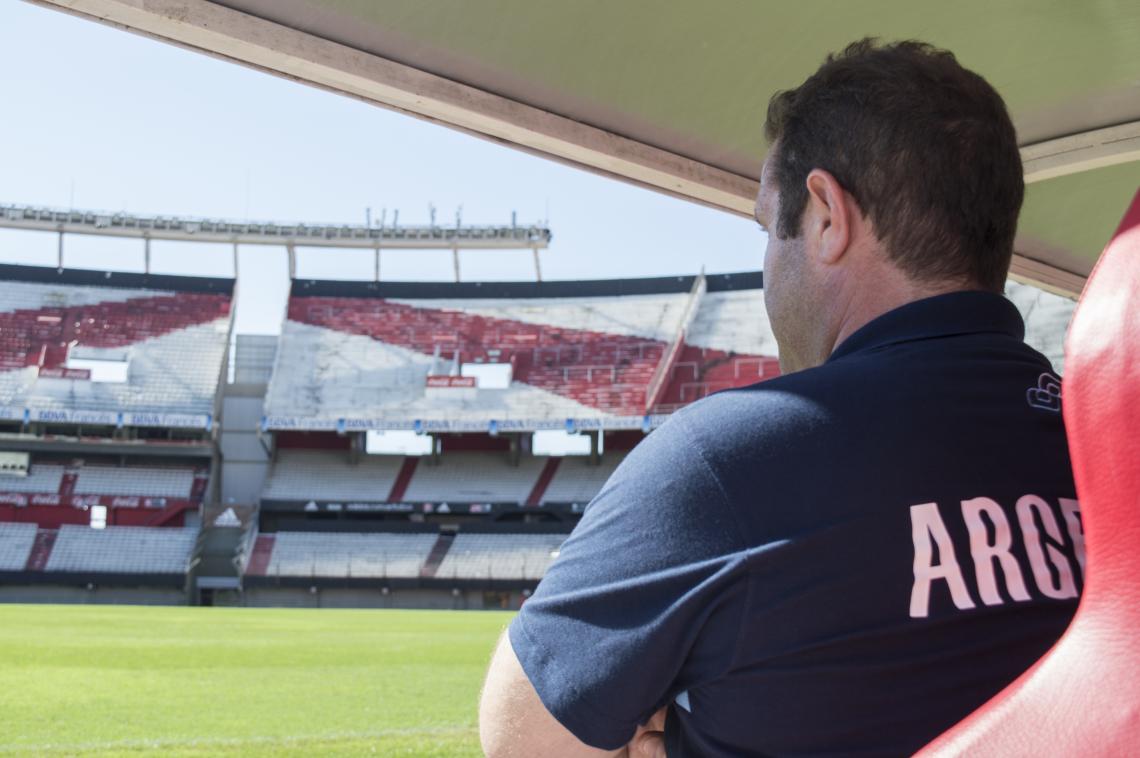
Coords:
411,444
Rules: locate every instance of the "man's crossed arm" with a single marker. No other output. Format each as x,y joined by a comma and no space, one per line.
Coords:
513,722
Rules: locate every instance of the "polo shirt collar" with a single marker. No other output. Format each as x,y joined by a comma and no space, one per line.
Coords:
940,316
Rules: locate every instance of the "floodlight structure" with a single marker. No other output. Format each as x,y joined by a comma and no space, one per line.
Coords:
533,237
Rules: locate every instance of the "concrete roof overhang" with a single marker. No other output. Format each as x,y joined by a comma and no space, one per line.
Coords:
671,96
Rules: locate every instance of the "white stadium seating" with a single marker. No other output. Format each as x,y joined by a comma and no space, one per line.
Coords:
653,317
122,550
474,477
733,321
1047,318
349,555
576,481
500,556
15,545
135,480
42,478
328,475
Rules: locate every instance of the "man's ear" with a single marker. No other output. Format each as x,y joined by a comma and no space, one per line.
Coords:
830,215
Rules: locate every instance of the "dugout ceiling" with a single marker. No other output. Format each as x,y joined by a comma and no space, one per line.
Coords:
671,95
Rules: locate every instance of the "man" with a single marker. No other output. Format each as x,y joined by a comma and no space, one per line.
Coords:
850,558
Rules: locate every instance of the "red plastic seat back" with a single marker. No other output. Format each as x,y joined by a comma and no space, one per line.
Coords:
1083,697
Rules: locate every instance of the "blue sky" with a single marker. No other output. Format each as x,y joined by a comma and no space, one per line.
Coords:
97,118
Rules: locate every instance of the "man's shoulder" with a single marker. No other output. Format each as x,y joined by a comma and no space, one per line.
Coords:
776,414
784,401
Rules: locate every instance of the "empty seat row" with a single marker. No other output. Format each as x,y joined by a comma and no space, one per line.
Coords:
500,556
460,477
578,481
328,475
349,555
140,481
122,550
16,542
135,480
474,477
41,478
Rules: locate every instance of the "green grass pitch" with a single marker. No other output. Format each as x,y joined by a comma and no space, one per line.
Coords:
121,680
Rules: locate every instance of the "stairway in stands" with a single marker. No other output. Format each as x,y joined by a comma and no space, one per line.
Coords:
218,552
41,550
438,553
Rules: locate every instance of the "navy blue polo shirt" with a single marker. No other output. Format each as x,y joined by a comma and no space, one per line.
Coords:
845,560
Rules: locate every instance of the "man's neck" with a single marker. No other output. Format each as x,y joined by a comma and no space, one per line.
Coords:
891,293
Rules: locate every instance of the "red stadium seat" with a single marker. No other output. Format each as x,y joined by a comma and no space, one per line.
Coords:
1083,697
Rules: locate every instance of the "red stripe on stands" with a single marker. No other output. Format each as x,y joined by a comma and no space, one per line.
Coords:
67,482
544,479
403,479
262,553
435,557
41,550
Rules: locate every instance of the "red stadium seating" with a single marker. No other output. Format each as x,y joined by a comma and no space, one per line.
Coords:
701,371
40,337
606,371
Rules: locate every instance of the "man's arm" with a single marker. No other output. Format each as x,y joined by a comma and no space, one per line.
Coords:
652,572
514,722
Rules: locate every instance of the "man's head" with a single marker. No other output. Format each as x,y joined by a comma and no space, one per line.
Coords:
893,173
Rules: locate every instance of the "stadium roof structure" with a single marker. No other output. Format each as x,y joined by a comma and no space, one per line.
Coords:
672,96
192,229
533,237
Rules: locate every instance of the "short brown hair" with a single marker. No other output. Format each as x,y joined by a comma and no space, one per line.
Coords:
925,146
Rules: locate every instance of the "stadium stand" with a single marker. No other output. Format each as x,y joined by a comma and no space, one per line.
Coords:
577,480
42,477
328,475
122,550
110,386
609,358
136,480
500,556
578,352
729,344
162,340
582,356
349,555
16,545
1047,318
467,477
